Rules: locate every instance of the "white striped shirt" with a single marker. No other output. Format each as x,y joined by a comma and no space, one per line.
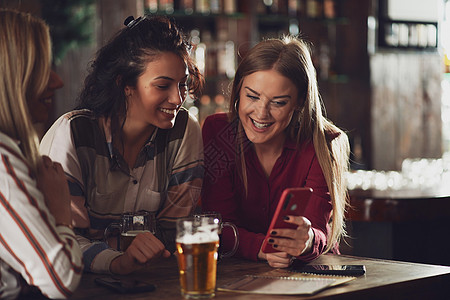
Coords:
31,245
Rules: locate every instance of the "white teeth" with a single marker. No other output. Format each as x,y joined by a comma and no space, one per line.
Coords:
47,101
167,111
261,125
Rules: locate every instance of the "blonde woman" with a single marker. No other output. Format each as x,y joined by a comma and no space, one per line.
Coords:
37,245
275,136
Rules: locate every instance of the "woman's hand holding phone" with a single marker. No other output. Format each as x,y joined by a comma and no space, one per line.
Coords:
293,241
289,233
290,242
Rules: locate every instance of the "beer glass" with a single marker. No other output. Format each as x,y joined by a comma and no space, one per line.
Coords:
131,224
197,242
218,217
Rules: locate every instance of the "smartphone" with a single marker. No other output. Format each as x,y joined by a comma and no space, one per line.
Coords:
342,270
293,202
125,286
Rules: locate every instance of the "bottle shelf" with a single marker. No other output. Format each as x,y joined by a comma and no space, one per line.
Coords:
285,19
220,36
195,15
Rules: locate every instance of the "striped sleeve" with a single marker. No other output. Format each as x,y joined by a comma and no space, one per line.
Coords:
45,255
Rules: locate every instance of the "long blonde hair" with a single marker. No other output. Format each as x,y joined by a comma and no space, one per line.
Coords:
291,57
25,58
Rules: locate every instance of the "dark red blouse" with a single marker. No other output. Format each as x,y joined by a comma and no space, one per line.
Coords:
223,190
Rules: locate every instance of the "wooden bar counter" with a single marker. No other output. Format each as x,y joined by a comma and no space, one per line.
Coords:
399,205
408,225
383,280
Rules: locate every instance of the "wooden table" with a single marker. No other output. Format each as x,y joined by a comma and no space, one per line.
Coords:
383,280
408,225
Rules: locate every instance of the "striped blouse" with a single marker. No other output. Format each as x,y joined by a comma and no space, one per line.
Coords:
32,247
166,178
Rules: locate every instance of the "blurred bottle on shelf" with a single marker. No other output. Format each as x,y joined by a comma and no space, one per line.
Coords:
166,6
230,6
324,61
198,51
211,54
151,5
216,6
186,6
294,8
422,34
226,65
412,35
202,6
431,35
329,9
391,34
314,9
403,35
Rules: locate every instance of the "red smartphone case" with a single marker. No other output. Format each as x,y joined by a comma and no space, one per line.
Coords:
293,202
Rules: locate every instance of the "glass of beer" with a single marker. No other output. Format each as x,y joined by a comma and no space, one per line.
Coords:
218,217
130,225
197,242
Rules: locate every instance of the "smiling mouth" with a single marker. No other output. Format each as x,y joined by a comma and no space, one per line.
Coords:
47,101
260,125
168,111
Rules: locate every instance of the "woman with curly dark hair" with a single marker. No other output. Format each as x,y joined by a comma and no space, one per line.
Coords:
129,145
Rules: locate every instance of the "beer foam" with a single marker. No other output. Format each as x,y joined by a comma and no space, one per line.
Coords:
204,235
133,232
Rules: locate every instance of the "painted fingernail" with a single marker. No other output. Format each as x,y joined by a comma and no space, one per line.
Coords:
286,218
275,246
273,232
271,240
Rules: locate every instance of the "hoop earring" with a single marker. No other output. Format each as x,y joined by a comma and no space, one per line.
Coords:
236,105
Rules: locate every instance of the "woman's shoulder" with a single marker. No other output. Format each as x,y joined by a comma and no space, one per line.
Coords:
192,126
76,125
216,123
79,115
192,121
73,117
217,119
10,146
219,132
12,156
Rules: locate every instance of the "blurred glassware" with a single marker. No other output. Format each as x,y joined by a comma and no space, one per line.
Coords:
416,173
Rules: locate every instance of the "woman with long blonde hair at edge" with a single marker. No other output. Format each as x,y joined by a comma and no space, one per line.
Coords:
38,249
275,136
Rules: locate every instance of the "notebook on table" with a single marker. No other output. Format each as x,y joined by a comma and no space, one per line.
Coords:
282,282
